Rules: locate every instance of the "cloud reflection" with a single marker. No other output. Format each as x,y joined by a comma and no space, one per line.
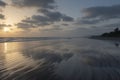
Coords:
61,60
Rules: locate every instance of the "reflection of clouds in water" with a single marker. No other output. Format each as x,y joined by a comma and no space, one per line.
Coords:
44,70
101,59
73,62
48,55
90,66
61,60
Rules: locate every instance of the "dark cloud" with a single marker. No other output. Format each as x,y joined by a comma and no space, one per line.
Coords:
40,19
64,24
25,25
4,25
48,18
56,16
87,21
46,8
2,4
94,15
33,22
2,16
67,18
37,20
107,12
35,3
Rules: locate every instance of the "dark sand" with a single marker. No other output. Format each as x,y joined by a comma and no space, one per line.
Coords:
61,59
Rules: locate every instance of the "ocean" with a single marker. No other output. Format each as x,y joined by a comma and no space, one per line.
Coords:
53,58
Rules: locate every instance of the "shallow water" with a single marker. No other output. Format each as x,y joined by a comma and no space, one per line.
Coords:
60,59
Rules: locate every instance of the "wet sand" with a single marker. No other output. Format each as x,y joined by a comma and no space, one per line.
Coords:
66,59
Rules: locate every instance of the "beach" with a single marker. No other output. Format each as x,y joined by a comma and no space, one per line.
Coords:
59,59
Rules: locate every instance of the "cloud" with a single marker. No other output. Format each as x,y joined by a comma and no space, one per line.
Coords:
4,25
25,25
48,18
87,21
67,18
2,16
40,19
54,28
56,16
94,15
105,12
34,22
2,4
65,24
35,3
47,15
112,25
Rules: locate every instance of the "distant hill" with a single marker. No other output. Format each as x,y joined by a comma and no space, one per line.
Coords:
115,33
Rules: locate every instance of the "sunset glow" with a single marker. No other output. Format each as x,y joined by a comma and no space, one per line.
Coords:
59,39
57,18
6,29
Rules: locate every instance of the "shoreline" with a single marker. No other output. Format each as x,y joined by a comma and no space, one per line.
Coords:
105,38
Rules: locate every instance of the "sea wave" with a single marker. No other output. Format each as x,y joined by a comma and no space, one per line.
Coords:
21,39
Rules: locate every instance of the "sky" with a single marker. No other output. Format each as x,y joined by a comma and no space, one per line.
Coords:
58,18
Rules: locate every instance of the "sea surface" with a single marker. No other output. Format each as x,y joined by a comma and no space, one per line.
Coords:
59,59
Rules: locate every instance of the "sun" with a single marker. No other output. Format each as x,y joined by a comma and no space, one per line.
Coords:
6,29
